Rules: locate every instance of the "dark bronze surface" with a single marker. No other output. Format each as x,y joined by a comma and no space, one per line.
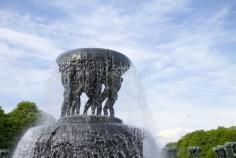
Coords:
88,70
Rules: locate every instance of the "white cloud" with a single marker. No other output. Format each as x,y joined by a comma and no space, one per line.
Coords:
171,135
40,47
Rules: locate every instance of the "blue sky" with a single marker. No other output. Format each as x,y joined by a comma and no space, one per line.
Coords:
184,51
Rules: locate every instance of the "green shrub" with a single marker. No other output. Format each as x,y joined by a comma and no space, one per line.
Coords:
206,140
14,123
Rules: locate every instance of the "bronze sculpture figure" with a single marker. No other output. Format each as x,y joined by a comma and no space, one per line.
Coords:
87,71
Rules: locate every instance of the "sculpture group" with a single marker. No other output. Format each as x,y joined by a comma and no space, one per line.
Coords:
99,76
228,150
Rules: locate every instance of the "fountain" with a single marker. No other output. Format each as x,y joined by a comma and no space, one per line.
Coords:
98,73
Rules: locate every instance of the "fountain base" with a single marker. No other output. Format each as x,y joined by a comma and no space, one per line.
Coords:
89,137
89,119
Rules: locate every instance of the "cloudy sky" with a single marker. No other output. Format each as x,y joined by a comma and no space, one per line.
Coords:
184,52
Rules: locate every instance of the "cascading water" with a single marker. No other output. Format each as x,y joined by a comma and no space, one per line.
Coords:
27,143
100,73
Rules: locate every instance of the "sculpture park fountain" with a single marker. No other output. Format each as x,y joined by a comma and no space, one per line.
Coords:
98,73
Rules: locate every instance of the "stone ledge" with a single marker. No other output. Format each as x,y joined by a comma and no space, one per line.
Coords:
89,119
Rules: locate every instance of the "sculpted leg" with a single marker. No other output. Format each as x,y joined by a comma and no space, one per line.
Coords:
75,109
87,106
78,105
112,89
93,108
69,104
68,112
93,102
102,98
96,105
108,106
112,112
97,100
111,101
99,108
105,109
72,110
65,110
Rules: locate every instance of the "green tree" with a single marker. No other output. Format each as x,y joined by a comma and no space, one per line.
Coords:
171,144
2,129
206,140
22,117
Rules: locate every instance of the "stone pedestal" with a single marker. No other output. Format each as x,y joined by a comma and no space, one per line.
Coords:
89,137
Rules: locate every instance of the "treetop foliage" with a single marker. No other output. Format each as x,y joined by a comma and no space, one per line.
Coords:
15,122
206,140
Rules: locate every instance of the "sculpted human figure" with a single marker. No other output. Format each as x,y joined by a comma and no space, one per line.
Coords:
112,84
93,87
72,89
76,81
66,82
74,107
78,90
87,72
